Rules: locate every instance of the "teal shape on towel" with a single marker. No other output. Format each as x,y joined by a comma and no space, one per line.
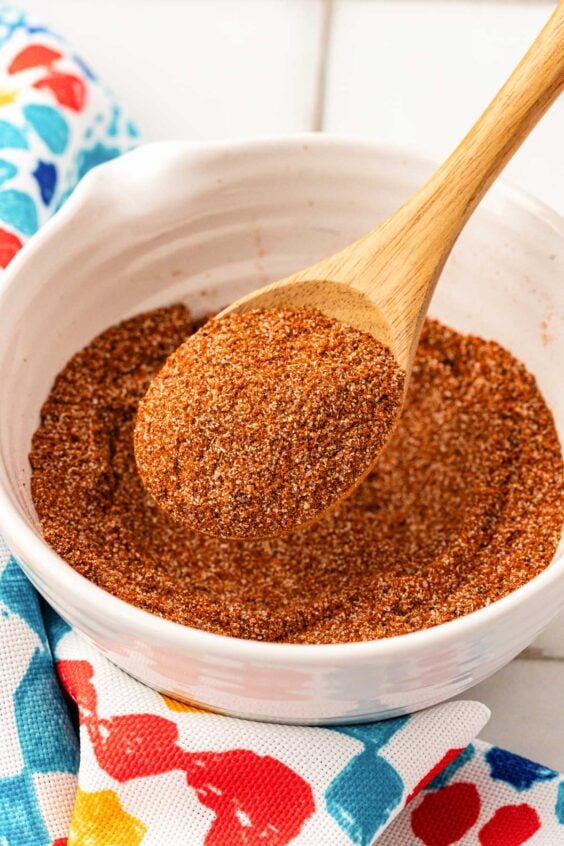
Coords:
19,596
374,734
50,125
20,818
49,745
98,154
11,137
18,210
7,171
45,734
559,809
56,627
364,794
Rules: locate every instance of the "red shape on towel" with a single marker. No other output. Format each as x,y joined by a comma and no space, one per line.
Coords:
9,246
511,825
446,816
254,797
34,56
68,90
434,771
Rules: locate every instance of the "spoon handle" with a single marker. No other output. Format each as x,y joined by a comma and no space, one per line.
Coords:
398,264
383,282
460,183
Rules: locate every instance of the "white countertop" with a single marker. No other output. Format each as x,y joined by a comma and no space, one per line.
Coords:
413,72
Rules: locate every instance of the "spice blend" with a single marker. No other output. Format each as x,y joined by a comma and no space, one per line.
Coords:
465,505
261,421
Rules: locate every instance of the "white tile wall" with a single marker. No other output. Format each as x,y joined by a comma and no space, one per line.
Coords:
200,68
419,73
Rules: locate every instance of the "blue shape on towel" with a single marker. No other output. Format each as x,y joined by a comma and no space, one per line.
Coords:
45,174
519,772
86,69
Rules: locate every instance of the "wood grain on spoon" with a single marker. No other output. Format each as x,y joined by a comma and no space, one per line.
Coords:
382,283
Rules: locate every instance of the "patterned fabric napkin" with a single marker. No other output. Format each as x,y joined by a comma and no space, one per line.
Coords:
56,122
91,757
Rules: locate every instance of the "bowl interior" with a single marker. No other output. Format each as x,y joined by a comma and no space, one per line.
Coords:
173,223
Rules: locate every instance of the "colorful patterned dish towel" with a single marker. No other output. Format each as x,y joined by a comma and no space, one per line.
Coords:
91,757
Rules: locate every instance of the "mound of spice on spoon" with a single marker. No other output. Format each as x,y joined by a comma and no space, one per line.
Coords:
258,424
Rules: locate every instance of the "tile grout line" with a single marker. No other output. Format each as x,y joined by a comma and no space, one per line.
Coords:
326,28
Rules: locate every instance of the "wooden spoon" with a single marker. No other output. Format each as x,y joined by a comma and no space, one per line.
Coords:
382,283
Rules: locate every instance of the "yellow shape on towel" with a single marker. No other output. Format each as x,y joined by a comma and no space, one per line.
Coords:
175,705
7,96
98,819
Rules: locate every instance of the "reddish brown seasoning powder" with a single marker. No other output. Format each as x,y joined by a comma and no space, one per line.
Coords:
261,421
465,505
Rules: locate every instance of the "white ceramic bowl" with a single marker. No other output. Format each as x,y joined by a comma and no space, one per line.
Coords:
206,224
